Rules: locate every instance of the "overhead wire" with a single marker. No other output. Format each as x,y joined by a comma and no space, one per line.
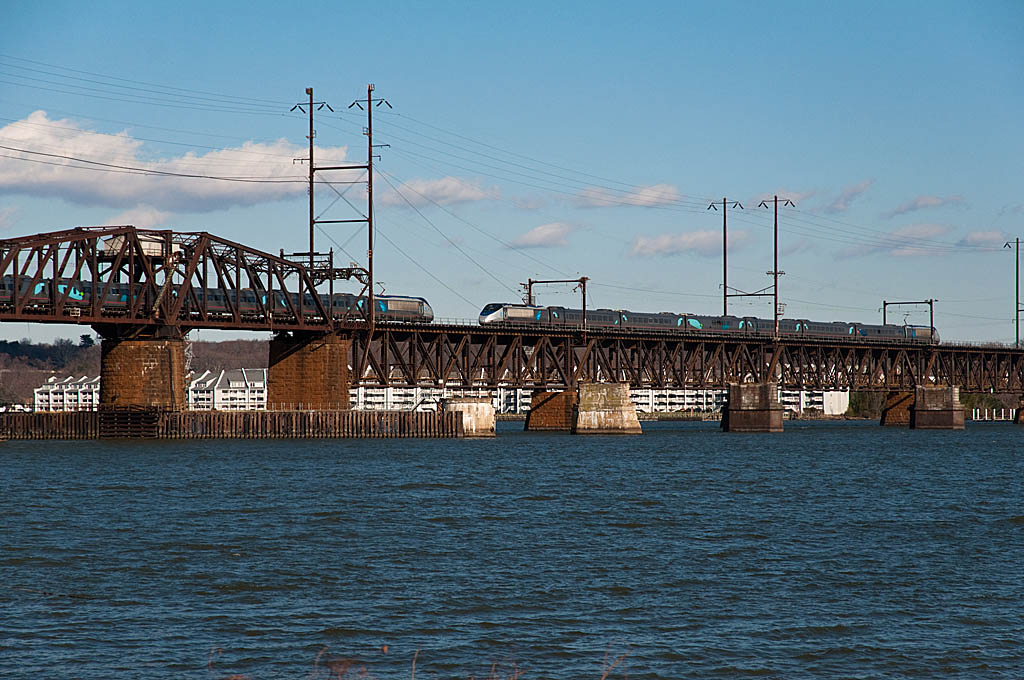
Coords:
445,236
151,171
140,82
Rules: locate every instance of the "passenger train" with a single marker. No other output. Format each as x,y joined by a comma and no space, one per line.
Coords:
505,313
417,310
79,294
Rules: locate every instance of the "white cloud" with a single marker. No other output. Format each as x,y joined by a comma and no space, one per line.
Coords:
546,235
795,196
141,216
530,203
269,167
444,191
1011,209
991,239
645,197
923,202
842,202
6,218
800,246
910,241
700,242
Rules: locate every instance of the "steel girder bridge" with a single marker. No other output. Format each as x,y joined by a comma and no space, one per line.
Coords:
405,355
127,282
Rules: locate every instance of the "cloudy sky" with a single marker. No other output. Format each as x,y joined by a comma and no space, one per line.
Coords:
548,140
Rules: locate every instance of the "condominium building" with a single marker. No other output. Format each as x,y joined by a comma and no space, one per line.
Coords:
69,394
517,400
239,389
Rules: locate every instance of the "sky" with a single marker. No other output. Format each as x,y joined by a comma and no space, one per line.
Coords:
547,140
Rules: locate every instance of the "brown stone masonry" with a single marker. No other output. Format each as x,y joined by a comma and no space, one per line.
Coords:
143,373
552,411
308,371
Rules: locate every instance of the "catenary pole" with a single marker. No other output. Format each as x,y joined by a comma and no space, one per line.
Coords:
369,196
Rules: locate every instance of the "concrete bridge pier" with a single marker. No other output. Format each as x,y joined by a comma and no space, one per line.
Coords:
605,408
478,417
593,408
143,372
308,371
1018,418
752,407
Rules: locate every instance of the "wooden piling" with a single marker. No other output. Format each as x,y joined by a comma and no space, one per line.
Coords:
143,423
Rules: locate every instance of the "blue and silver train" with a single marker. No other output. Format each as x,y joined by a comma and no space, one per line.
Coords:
514,314
214,301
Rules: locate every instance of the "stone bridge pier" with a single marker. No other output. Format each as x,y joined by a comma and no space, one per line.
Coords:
592,408
308,371
142,372
928,407
752,407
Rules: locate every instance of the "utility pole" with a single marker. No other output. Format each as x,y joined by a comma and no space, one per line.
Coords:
931,309
1016,308
370,103
725,253
775,273
581,285
312,168
319,273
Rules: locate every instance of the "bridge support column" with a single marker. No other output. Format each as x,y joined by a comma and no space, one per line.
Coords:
148,373
896,411
308,371
1018,418
552,411
936,408
478,419
752,407
605,409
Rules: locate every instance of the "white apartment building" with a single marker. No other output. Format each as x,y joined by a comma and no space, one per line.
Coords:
69,394
649,400
517,400
240,389
831,403
408,398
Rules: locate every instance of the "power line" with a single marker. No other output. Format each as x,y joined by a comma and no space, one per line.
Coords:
150,171
486,233
445,236
427,271
268,102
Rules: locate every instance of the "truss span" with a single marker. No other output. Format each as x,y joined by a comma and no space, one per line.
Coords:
473,356
112,277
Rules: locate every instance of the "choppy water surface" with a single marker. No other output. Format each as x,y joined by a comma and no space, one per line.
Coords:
831,550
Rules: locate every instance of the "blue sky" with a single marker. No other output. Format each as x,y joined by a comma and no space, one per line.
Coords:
550,141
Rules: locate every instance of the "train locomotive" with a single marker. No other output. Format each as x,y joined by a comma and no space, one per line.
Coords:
501,313
247,300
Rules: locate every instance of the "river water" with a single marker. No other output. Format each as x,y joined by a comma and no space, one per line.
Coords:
831,550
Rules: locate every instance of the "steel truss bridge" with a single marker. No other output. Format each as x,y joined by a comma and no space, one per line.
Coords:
404,354
127,282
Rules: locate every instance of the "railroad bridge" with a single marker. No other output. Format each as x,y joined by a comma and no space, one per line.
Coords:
142,291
